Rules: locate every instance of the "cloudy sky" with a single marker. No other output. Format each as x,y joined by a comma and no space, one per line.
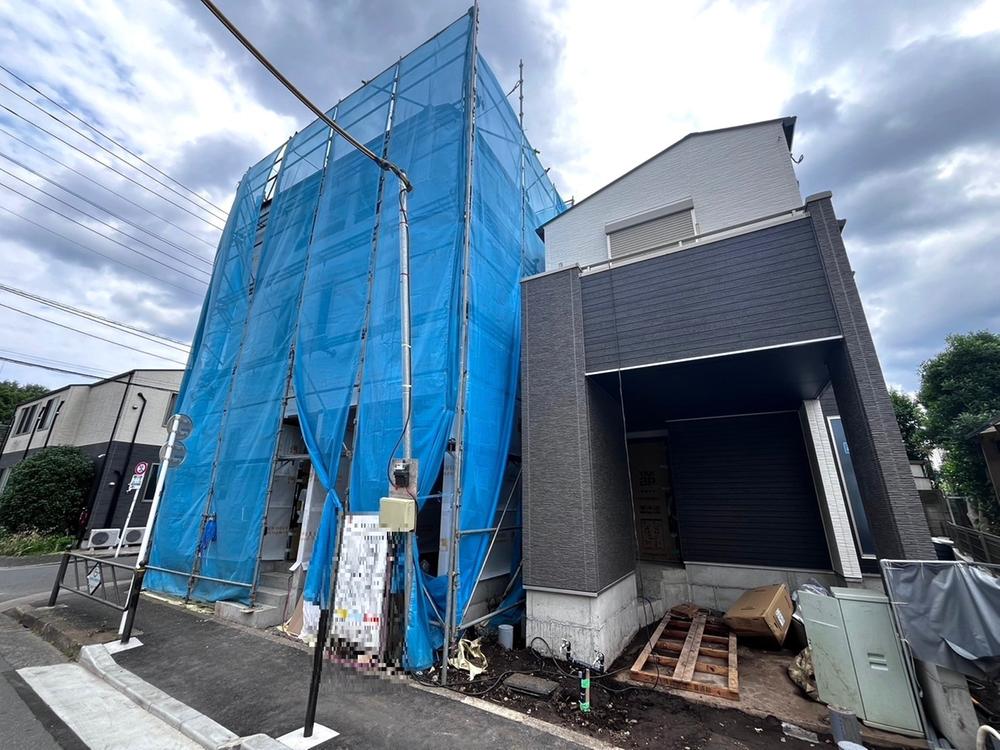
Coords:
898,106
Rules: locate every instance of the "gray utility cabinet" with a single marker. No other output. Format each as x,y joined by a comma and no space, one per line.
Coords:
858,658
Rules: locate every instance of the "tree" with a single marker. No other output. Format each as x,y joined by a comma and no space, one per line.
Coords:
47,492
13,393
912,425
960,388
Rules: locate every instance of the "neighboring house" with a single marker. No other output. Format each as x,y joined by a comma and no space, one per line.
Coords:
935,504
703,408
988,437
117,422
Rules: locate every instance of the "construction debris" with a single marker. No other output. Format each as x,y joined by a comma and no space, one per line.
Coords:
531,685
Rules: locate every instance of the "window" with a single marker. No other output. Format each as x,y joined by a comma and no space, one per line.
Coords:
26,420
47,414
150,488
651,229
171,407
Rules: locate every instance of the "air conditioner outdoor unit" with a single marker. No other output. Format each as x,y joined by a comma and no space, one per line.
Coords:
133,536
102,538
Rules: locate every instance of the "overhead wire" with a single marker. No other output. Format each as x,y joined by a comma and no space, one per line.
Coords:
88,248
101,133
182,272
51,361
131,202
95,318
52,368
91,335
107,166
218,214
112,227
109,212
109,377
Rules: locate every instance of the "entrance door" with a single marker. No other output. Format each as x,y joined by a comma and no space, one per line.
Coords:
656,522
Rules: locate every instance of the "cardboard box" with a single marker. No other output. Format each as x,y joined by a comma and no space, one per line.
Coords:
766,611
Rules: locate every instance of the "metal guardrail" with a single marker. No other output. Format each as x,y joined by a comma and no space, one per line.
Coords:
101,580
978,545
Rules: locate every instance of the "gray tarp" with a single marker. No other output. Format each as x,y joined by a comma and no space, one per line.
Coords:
949,614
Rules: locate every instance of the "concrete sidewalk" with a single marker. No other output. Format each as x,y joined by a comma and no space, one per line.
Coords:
253,683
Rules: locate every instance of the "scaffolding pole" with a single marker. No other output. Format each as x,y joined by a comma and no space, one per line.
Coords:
453,541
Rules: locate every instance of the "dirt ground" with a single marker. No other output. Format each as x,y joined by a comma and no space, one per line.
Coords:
627,716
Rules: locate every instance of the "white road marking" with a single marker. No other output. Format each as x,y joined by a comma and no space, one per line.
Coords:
101,717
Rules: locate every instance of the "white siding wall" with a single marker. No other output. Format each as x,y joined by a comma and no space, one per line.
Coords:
733,176
88,412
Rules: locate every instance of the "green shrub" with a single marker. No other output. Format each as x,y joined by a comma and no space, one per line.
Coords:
47,492
32,543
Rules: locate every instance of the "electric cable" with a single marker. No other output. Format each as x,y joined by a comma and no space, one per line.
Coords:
209,211
112,227
104,236
95,318
101,133
107,166
99,207
383,163
88,248
51,368
91,335
118,195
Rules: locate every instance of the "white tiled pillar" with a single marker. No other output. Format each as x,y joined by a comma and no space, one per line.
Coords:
833,504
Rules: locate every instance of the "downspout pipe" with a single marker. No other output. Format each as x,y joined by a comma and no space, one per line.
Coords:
110,517
99,477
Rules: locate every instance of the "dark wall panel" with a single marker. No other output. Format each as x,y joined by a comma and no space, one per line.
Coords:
744,492
763,288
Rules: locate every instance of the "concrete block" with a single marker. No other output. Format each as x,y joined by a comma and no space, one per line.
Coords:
206,732
261,616
273,597
948,703
258,742
704,596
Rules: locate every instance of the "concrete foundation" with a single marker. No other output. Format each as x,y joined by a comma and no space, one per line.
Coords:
604,622
261,616
607,621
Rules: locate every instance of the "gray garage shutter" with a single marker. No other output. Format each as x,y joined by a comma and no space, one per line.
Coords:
745,494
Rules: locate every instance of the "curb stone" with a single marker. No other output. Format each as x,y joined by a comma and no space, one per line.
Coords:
191,723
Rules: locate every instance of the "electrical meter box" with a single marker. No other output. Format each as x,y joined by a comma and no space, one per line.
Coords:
397,513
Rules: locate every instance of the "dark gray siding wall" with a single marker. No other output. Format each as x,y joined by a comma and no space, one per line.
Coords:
744,492
577,515
613,528
759,289
558,511
883,471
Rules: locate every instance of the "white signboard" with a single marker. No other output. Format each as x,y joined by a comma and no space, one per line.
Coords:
358,599
94,579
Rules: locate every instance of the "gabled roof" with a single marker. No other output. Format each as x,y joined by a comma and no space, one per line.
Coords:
787,123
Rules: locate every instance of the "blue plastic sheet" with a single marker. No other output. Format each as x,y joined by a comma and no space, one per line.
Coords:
323,289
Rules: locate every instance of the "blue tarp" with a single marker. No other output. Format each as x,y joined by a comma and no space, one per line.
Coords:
321,291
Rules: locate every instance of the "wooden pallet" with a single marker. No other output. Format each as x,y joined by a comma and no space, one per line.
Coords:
696,654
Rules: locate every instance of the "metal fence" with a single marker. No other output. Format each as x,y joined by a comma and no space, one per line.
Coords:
103,580
978,545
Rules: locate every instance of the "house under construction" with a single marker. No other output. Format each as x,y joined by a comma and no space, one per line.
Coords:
294,381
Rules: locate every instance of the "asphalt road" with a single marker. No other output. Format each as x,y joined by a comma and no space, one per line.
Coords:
29,582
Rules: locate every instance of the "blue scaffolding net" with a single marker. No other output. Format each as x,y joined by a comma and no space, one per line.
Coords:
304,303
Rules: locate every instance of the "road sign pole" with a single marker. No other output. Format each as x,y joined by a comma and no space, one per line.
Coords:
128,616
131,509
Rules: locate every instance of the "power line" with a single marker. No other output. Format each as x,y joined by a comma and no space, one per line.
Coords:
50,368
99,207
104,236
112,227
50,361
90,249
107,166
64,165
95,318
209,211
262,59
101,133
91,335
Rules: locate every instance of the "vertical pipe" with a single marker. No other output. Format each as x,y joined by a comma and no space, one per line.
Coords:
99,479
317,671
404,308
470,135
110,516
520,120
